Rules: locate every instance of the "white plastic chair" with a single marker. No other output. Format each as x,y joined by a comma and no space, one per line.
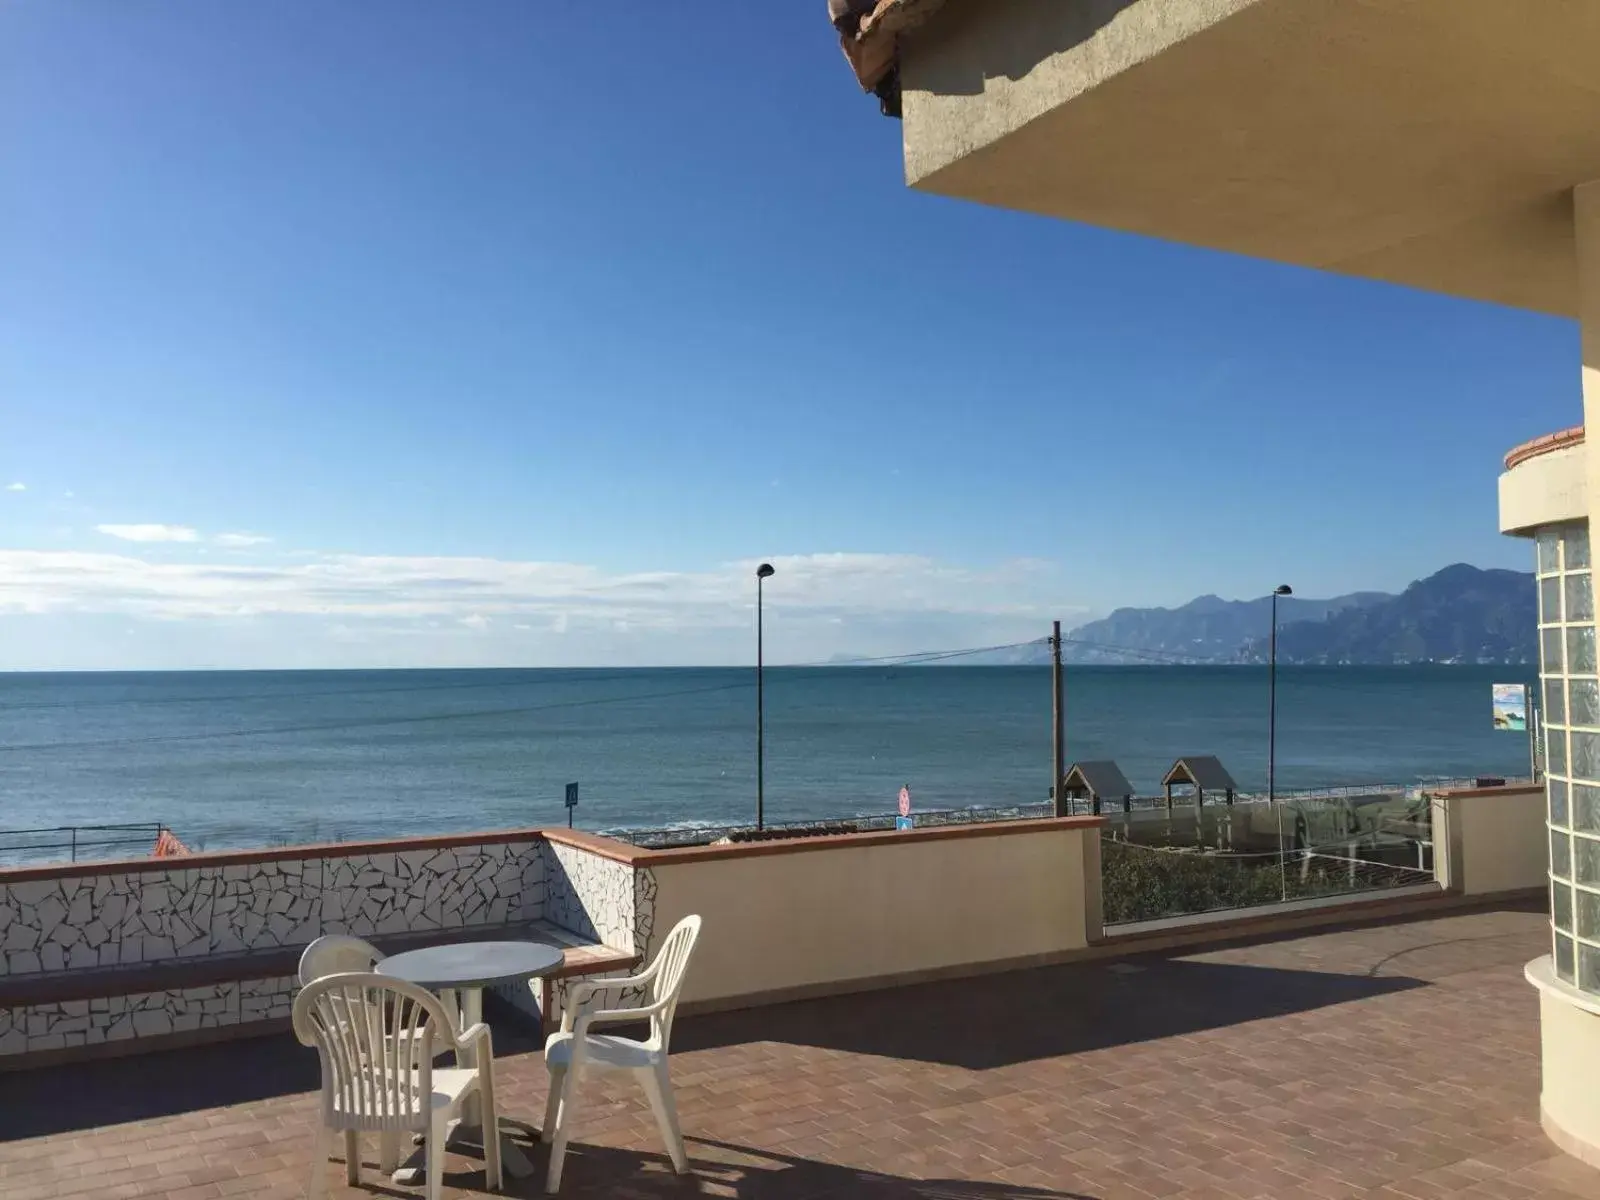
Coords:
574,1050
365,1027
341,954
337,954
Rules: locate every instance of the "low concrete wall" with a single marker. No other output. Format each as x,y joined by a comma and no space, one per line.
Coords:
1491,840
840,913
99,929
96,954
87,915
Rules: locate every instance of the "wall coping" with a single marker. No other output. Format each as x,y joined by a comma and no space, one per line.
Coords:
1541,972
228,858
1510,789
1547,444
593,843
875,837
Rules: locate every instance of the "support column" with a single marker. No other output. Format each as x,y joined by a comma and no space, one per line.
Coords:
1586,221
1569,1012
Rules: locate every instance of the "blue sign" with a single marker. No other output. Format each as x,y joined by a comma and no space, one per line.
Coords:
905,823
572,795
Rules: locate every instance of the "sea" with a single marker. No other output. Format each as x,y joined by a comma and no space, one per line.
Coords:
250,758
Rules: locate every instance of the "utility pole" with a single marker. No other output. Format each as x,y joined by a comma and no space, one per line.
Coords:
1058,718
1283,589
1532,722
763,573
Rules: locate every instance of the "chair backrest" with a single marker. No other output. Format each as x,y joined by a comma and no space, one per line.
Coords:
367,1030
337,954
672,963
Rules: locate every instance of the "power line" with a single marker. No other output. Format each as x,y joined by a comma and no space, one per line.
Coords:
551,675
920,656
370,722
518,710
548,675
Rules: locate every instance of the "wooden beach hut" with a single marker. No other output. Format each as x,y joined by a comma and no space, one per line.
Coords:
1203,772
1099,779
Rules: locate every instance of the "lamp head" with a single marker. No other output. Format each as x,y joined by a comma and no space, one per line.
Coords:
764,571
1283,589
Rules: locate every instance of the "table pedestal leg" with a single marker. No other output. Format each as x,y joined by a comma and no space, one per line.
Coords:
466,1135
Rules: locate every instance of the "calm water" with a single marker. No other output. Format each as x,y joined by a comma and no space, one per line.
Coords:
248,758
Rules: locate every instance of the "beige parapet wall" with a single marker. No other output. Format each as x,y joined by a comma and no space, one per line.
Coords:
1491,840
813,916
99,954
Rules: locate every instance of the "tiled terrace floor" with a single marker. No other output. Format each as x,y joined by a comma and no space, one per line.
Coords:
1400,1061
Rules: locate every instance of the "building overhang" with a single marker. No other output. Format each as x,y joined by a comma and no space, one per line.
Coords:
1544,484
1432,143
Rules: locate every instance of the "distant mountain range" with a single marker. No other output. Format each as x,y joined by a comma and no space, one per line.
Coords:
1459,615
1462,614
1206,629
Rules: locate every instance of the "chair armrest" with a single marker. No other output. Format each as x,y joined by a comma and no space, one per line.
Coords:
602,1015
469,1038
579,994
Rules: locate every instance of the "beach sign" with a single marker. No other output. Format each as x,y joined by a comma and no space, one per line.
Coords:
572,795
904,821
1511,706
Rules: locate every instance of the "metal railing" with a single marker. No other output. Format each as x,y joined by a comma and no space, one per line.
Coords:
701,835
1190,860
69,843
1185,799
658,838
1145,883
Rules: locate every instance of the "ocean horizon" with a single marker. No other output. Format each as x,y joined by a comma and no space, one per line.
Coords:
249,758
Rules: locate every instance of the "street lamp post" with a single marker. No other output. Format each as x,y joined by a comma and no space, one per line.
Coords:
1283,589
763,573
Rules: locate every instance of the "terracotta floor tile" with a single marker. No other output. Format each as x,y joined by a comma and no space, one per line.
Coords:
1399,1061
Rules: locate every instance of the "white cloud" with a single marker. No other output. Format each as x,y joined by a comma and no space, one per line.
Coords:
240,540
874,597
151,533
16,487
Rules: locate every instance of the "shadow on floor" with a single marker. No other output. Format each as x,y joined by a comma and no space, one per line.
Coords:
751,1174
978,1024
999,1020
87,1095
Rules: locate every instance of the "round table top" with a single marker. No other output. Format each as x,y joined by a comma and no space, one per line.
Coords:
471,964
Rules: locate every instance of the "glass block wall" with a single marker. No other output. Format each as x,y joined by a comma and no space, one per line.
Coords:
1571,683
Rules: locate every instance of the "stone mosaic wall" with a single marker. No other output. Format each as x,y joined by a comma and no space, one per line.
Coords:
602,899
72,922
144,1014
123,919
590,895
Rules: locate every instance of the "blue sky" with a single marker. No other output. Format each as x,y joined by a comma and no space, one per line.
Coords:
523,330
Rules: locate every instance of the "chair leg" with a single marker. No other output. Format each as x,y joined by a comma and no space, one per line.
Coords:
552,1104
452,1006
321,1151
565,1113
492,1170
352,1157
435,1152
389,1151
658,1087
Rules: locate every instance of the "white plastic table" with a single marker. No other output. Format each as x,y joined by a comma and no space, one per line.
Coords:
464,969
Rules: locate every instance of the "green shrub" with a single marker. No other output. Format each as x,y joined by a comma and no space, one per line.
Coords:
1142,883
